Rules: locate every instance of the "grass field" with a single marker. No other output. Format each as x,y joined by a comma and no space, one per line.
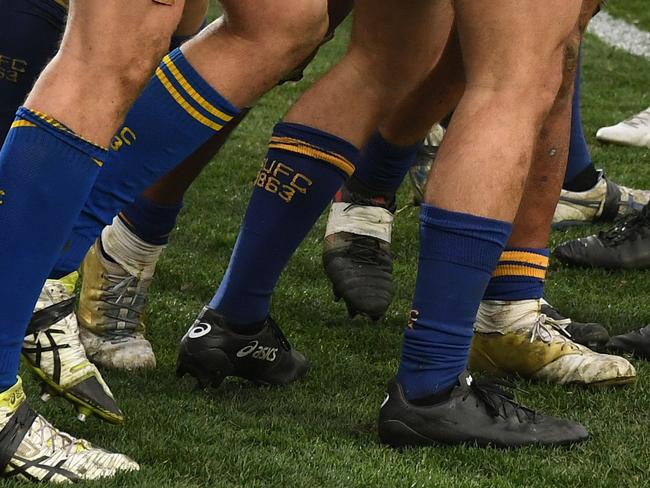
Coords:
322,431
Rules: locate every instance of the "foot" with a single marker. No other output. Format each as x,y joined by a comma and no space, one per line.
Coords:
590,334
605,202
32,450
210,351
475,412
356,252
625,246
517,339
53,352
111,309
426,155
636,342
634,131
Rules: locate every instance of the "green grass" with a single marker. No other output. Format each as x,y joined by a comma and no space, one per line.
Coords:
321,431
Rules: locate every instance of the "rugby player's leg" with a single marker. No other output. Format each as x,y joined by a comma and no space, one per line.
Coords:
48,163
310,154
135,242
512,53
506,342
356,248
24,56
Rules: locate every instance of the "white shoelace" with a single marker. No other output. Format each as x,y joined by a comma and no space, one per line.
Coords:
546,328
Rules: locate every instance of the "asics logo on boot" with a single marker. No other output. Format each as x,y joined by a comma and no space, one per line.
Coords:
256,351
199,330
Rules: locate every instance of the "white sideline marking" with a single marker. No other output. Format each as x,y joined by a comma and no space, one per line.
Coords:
621,34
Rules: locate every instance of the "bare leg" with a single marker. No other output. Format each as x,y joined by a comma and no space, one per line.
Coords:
86,78
500,79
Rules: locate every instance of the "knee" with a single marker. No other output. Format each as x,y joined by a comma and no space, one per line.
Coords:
288,35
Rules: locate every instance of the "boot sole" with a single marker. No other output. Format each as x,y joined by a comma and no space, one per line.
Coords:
82,406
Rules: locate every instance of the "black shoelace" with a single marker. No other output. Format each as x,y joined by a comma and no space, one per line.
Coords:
277,332
629,228
498,401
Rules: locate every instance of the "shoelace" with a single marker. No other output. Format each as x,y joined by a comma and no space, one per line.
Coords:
277,332
498,401
628,228
120,287
48,435
642,118
546,329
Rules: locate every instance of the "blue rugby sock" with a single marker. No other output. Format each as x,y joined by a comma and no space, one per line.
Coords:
304,167
384,165
23,54
519,275
46,173
176,114
579,157
458,253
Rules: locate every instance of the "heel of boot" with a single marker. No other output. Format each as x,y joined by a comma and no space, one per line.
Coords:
209,367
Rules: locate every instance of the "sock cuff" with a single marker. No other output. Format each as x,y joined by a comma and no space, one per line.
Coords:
28,118
314,143
522,263
193,93
465,239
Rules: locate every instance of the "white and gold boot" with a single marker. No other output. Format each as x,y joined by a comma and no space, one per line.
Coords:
605,202
32,449
113,298
53,352
516,339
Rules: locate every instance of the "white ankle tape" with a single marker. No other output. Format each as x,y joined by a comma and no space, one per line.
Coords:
362,220
136,256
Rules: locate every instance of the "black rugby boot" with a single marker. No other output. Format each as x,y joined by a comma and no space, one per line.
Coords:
625,246
636,342
356,251
210,351
477,413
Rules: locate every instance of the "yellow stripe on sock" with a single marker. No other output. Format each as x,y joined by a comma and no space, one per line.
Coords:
306,149
63,3
516,270
58,125
22,123
525,257
193,93
184,103
340,163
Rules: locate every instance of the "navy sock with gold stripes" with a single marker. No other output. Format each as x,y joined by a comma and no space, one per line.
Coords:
177,113
303,169
519,275
46,172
